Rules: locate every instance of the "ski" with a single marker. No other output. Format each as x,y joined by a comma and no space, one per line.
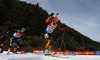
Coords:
18,52
61,56
57,56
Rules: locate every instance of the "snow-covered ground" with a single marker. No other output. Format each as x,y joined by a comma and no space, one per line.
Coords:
30,56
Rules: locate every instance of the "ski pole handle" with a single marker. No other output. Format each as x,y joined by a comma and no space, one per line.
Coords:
52,14
56,14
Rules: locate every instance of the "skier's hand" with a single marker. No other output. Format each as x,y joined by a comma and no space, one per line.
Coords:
62,29
51,14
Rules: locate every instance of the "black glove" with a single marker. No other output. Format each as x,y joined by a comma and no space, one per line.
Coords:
51,14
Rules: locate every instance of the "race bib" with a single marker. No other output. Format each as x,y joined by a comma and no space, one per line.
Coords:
51,27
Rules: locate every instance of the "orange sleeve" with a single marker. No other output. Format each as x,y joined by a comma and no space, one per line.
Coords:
48,19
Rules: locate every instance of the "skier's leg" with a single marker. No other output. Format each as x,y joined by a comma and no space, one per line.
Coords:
50,47
47,45
17,47
50,44
1,46
11,44
0,50
46,36
46,40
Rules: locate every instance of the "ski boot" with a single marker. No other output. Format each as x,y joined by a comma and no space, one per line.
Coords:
8,51
48,52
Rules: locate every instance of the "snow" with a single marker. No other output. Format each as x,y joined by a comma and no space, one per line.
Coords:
30,56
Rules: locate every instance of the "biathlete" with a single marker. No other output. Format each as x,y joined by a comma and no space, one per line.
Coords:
15,40
1,46
52,24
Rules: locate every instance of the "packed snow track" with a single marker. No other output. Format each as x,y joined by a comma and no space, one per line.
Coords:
30,56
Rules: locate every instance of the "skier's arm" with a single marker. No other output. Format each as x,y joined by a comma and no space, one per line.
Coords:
61,29
49,19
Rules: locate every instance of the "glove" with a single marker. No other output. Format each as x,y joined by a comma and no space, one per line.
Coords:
62,29
51,14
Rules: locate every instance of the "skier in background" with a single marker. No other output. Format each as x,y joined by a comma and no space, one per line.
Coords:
52,24
15,40
1,46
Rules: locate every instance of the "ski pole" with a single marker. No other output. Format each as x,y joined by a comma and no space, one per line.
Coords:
62,39
56,15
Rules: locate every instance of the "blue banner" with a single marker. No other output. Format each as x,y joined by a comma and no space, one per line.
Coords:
97,52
